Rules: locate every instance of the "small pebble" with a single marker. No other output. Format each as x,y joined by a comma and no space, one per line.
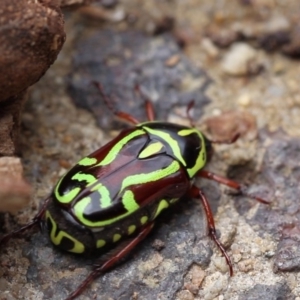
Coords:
246,265
210,48
220,264
185,295
244,100
172,61
241,60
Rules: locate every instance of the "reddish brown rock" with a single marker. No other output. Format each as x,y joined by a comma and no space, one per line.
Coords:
10,111
32,35
14,191
230,123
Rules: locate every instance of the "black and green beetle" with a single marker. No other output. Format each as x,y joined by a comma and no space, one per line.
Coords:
116,193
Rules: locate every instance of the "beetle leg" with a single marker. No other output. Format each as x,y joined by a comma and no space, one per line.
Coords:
35,221
112,261
233,184
122,115
150,110
197,193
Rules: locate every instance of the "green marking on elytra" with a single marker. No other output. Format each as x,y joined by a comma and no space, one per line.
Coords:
100,243
201,159
87,161
185,132
67,197
96,187
172,201
150,177
89,178
131,229
105,200
105,197
144,220
114,151
172,142
116,237
57,238
163,204
151,149
128,201
79,208
70,195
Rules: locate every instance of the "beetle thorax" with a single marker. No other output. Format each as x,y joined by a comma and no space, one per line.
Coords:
185,144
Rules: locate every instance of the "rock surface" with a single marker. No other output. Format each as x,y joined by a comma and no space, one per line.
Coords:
262,240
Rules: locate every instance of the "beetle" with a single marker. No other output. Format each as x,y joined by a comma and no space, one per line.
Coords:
116,193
